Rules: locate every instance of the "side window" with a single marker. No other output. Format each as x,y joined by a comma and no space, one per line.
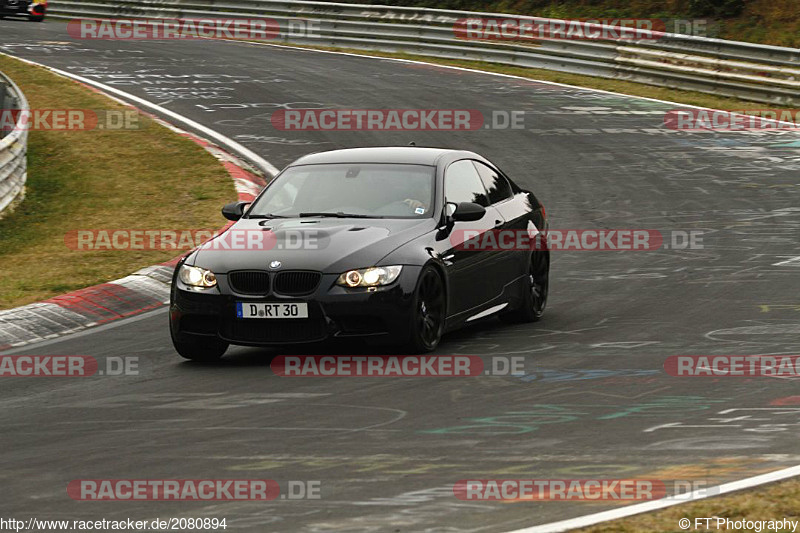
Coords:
463,184
498,187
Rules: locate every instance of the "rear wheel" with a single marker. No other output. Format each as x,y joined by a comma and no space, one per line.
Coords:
534,291
427,320
36,18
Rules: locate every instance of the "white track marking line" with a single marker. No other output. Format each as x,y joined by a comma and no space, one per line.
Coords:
85,332
794,261
227,142
592,519
512,76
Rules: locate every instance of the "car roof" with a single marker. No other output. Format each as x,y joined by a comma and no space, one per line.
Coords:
411,155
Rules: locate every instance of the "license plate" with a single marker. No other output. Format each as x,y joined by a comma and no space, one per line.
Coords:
271,310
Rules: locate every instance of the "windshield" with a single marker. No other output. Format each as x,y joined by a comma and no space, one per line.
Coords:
362,190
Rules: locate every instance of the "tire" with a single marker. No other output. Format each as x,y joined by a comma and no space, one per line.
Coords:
205,350
428,312
535,291
36,18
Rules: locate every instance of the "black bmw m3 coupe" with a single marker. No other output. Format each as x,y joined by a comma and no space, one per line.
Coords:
364,242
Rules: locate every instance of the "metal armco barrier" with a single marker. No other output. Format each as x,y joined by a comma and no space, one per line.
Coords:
754,72
13,145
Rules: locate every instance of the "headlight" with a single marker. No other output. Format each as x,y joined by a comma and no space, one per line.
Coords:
369,277
197,277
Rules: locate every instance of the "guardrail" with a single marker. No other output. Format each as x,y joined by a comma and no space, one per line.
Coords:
753,72
13,145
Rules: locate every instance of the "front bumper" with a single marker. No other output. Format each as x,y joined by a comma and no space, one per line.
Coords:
383,314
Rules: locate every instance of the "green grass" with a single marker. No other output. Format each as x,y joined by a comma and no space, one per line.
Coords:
774,502
150,178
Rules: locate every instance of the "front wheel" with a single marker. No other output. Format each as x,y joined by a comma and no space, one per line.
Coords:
534,291
428,313
36,18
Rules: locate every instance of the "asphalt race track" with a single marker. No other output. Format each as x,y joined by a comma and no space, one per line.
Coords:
595,401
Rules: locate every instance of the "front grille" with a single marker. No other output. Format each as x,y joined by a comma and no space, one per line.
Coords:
268,331
249,281
296,283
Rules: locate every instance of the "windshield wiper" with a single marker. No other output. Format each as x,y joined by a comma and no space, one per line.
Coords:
335,215
267,215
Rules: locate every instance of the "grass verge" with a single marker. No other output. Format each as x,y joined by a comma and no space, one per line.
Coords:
150,178
774,502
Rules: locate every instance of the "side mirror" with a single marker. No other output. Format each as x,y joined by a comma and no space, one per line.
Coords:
468,212
234,211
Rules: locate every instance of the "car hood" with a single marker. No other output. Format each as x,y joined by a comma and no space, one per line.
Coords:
329,245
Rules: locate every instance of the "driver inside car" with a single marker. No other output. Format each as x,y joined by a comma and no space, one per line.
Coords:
413,192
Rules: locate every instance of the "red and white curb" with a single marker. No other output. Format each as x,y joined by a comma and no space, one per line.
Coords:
92,306
145,289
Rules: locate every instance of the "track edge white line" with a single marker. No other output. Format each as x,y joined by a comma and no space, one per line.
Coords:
262,164
516,77
639,508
